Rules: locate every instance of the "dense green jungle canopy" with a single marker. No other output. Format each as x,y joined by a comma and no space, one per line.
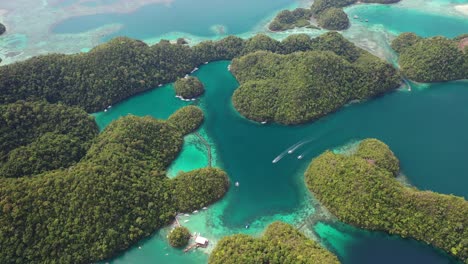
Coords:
286,19
179,237
433,59
361,189
37,137
281,243
300,87
329,15
118,69
189,87
113,196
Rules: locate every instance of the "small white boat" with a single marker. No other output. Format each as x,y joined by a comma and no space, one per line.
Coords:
105,110
193,99
160,85
139,247
300,157
195,212
205,208
276,159
109,107
264,122
186,221
367,20
237,184
356,17
186,215
206,62
229,67
186,76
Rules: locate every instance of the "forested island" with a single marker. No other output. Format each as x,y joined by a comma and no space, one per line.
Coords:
303,86
299,17
189,87
123,67
2,29
115,193
281,243
179,237
360,188
433,59
328,14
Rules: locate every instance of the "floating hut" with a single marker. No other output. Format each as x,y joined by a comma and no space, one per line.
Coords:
201,241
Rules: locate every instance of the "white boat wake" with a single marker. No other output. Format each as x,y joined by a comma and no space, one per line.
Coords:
291,149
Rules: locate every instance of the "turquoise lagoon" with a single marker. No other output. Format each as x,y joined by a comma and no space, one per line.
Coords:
398,19
426,128
407,121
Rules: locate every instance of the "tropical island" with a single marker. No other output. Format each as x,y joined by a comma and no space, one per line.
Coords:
280,243
188,87
118,69
360,188
328,14
333,19
2,29
433,59
303,86
299,17
115,194
179,237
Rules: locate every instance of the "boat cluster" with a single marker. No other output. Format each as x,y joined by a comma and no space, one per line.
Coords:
183,99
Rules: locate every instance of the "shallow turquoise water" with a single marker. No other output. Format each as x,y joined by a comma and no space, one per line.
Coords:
397,19
407,121
193,17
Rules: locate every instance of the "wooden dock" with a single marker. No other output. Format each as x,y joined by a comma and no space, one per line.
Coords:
187,249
